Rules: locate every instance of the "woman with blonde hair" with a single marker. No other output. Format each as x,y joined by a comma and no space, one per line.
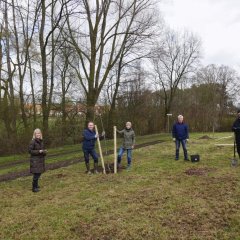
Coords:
128,144
37,159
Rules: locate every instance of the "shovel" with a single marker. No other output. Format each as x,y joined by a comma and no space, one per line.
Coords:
234,161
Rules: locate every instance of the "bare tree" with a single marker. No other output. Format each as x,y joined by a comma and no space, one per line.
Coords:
45,35
223,82
173,58
100,42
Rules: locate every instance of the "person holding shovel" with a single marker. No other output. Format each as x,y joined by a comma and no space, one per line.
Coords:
180,136
88,146
128,144
236,130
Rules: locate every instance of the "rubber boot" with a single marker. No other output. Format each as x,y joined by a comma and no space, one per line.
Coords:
96,168
38,185
88,168
119,162
34,186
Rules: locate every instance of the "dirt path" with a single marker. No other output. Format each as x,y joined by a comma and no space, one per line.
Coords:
60,164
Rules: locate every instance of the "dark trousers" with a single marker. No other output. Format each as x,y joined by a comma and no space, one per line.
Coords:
184,146
91,153
238,148
36,176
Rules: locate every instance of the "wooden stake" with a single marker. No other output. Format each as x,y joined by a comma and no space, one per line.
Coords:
115,148
100,150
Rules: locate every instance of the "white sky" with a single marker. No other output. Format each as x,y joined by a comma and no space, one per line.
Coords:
217,22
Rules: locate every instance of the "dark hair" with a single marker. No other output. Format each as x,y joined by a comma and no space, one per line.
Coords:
90,122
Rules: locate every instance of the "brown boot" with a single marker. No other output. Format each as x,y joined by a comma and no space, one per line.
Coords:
96,168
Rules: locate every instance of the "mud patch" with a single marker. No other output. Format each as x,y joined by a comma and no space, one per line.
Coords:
199,171
205,137
60,175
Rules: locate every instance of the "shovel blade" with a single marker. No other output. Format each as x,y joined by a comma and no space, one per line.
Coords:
234,162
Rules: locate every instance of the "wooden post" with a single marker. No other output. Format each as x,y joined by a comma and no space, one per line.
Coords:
115,148
100,150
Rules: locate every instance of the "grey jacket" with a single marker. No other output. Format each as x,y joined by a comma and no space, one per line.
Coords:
128,138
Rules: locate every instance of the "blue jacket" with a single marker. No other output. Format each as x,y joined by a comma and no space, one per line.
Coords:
236,130
89,139
180,131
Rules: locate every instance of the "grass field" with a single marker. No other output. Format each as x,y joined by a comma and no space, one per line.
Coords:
159,199
73,152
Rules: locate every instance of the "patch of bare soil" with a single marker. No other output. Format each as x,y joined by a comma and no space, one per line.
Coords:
206,137
56,165
60,175
199,171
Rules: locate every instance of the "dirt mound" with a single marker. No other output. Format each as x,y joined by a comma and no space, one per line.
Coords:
198,171
205,137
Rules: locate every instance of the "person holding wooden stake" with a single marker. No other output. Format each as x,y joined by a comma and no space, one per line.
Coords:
128,144
88,146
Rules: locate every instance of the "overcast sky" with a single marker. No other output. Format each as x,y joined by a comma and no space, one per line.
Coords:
217,22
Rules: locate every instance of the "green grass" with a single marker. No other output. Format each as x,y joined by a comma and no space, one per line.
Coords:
155,200
70,156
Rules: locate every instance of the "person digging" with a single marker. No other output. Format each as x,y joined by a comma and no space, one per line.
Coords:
180,136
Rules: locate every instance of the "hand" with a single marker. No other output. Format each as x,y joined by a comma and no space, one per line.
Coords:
40,151
174,139
97,136
132,146
187,140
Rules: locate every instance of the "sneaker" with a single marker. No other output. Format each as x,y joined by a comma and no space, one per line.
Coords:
128,167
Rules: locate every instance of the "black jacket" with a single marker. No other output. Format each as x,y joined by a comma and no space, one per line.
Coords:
236,129
37,159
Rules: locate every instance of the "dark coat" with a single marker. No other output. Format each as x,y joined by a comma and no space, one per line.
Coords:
89,139
37,160
236,129
180,131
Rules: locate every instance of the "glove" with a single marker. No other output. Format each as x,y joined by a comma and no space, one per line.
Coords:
96,136
174,139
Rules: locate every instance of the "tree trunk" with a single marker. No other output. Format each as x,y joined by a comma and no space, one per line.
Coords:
33,93
45,112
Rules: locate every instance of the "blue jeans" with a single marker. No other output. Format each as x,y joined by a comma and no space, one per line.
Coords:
184,146
129,155
93,154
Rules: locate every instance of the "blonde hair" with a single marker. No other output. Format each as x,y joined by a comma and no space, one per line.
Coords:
35,131
129,123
